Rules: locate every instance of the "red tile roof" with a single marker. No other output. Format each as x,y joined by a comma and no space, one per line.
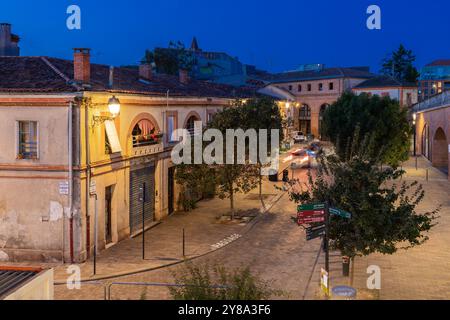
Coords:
41,74
439,63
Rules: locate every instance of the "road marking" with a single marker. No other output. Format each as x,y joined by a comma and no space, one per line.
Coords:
226,241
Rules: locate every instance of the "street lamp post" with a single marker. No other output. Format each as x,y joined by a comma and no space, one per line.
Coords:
415,133
114,111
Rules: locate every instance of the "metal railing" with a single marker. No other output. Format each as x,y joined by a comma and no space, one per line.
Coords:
440,100
108,287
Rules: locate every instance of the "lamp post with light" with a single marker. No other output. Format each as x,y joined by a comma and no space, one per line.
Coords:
114,111
415,133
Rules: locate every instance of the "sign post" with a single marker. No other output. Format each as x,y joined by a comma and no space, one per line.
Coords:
318,217
142,198
95,234
326,238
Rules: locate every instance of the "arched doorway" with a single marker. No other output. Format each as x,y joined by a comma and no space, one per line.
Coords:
440,150
426,142
305,119
323,108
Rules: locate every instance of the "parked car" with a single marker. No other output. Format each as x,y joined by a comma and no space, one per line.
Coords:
299,137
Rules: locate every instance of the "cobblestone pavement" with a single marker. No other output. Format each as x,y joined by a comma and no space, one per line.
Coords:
420,273
274,248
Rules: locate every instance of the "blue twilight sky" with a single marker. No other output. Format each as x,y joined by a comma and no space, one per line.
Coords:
274,35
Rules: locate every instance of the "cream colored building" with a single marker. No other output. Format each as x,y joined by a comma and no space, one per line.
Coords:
407,94
66,155
314,88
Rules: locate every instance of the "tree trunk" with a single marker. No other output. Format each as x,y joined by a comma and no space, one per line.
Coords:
232,202
352,271
260,188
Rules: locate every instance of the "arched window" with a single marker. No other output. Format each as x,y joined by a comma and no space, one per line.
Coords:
190,124
145,134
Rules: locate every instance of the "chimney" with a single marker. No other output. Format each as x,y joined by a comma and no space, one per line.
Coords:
82,65
184,76
8,41
145,71
111,77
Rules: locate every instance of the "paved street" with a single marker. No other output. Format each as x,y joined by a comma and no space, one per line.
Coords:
274,247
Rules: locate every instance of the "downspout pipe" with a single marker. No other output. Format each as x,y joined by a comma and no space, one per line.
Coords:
70,144
88,178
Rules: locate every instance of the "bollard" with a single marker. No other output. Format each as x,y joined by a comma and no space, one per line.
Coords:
346,266
417,164
427,175
184,243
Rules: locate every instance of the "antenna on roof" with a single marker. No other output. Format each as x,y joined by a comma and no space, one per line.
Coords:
111,77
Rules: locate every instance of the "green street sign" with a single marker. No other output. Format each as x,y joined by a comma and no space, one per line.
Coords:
311,207
340,213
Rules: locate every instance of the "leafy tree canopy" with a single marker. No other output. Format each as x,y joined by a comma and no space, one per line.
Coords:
170,60
383,118
399,65
384,217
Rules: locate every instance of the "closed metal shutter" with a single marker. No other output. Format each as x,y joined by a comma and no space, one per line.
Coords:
137,179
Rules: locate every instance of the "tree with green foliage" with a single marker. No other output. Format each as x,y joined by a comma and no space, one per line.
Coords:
197,182
262,113
170,60
232,178
384,209
206,282
149,57
400,65
383,118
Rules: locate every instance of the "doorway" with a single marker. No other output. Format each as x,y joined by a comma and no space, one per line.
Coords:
171,190
108,214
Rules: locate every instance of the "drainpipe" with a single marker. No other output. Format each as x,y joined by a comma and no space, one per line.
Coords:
70,184
88,179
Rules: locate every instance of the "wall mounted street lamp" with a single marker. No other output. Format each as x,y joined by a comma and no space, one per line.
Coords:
114,111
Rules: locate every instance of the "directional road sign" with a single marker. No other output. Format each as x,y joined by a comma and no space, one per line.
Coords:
340,213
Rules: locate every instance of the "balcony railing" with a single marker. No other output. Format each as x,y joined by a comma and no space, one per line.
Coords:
440,100
149,140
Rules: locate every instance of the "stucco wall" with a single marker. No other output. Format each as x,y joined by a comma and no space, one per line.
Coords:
38,289
31,206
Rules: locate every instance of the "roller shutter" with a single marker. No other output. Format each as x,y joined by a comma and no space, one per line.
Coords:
137,179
